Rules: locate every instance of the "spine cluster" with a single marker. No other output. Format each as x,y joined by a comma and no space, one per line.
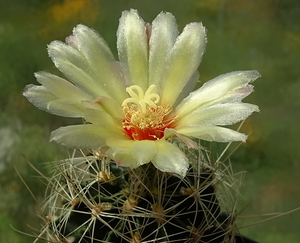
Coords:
91,199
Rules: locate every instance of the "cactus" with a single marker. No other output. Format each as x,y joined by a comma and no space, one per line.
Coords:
152,182
91,199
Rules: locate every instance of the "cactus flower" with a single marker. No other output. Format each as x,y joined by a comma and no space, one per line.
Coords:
136,107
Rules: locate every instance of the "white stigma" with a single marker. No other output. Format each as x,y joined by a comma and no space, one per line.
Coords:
138,97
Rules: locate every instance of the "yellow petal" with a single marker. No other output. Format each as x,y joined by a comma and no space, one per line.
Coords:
184,60
132,45
169,158
227,88
143,151
164,32
87,136
213,133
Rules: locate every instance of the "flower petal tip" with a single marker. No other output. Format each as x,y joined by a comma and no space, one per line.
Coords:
252,75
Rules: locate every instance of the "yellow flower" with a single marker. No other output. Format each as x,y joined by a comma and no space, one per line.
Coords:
136,107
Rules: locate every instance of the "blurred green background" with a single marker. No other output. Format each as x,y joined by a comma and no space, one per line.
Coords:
242,35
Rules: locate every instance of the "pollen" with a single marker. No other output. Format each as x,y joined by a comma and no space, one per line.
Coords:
144,118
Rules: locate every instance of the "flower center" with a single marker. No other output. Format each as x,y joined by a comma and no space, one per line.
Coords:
144,119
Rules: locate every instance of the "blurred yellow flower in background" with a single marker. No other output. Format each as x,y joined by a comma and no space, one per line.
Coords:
62,15
70,9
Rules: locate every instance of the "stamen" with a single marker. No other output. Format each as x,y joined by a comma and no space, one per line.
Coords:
144,119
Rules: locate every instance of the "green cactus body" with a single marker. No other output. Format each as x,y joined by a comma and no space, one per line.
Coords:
93,200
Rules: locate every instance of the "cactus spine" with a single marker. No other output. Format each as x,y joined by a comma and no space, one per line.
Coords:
93,200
